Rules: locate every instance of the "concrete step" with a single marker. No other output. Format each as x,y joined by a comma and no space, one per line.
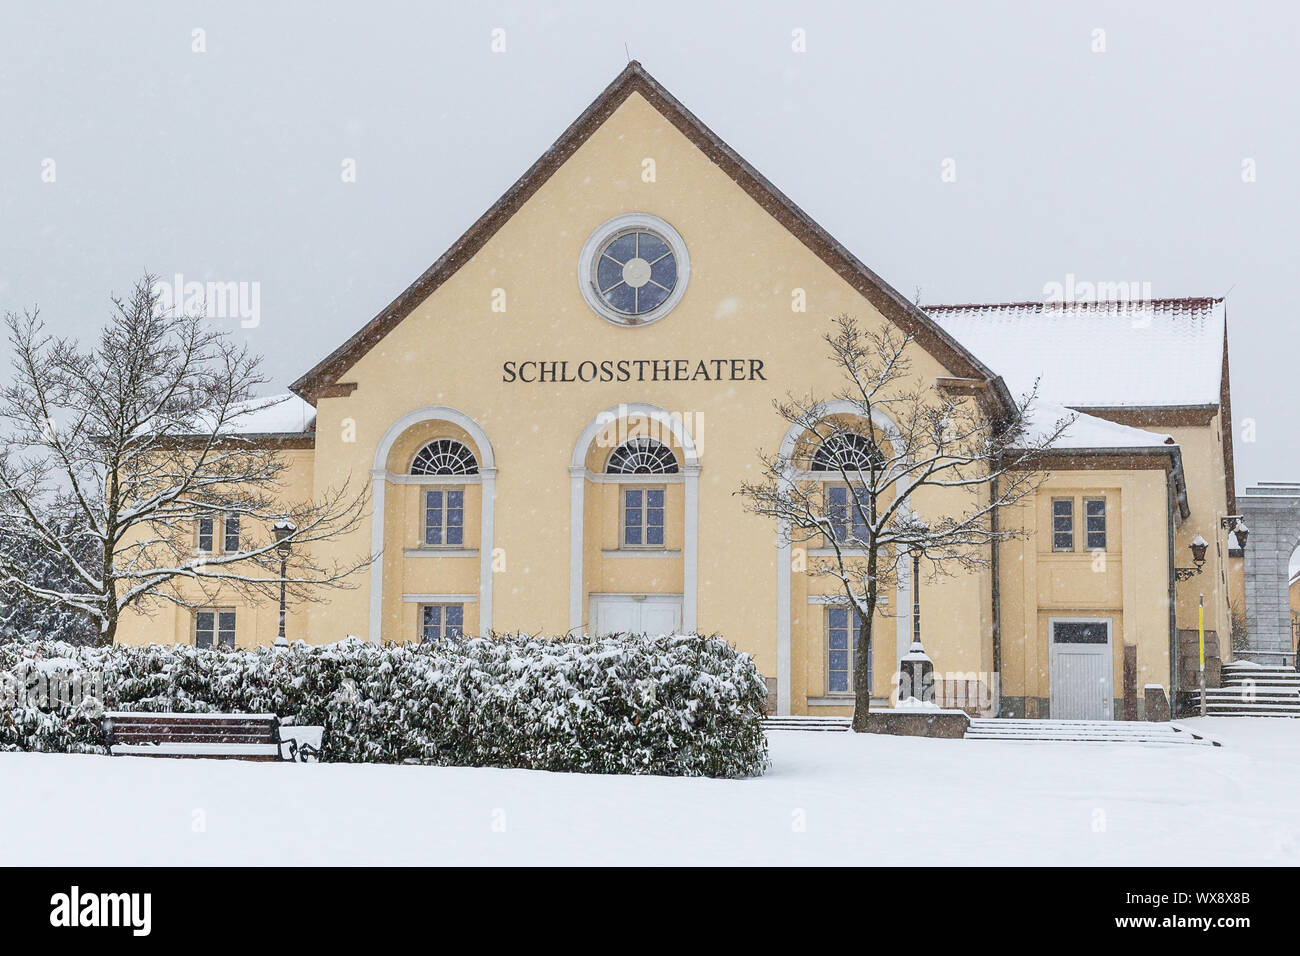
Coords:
1160,739
1008,727
1237,707
818,724
1229,681
1061,735
1039,724
1082,731
1259,678
1255,692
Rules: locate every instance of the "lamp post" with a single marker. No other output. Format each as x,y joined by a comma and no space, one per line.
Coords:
916,668
282,530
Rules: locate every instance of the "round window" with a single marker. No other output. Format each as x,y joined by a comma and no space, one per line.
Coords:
633,269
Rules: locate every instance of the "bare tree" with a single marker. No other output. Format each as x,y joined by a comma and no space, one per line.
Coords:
884,436
139,438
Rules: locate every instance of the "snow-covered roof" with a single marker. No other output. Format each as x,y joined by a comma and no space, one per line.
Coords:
1139,353
1088,431
274,415
1087,434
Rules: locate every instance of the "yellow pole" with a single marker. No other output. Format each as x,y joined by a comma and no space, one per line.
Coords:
1200,631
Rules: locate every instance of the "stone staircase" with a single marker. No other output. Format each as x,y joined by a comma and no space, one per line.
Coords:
822,724
1251,690
1040,731
1083,731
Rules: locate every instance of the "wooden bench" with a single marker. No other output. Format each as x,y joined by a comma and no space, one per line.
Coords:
222,736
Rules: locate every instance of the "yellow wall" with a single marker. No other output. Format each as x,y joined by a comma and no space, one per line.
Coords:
450,351
1202,451
257,621
1129,583
745,272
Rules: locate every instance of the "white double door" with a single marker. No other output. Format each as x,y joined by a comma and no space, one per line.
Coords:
1082,669
651,614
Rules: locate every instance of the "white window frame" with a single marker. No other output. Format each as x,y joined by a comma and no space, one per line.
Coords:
1087,531
643,222
827,610
443,490
211,521
216,630
1073,524
444,607
466,465
218,532
226,521
851,514
644,489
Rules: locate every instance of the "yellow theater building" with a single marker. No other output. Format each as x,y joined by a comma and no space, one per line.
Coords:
554,420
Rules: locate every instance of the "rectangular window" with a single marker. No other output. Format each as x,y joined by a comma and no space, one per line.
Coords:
444,517
1062,524
230,538
843,511
1094,513
842,627
1081,632
214,626
643,517
439,621
206,532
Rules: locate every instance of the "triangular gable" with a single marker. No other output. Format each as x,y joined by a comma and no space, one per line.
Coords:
634,79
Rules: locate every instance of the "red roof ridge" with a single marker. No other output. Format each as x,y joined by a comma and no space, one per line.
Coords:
1183,303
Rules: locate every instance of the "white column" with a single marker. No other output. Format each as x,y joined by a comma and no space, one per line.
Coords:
783,611
487,530
903,609
903,585
378,485
577,504
691,550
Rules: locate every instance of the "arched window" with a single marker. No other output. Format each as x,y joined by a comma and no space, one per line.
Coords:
641,456
444,456
851,451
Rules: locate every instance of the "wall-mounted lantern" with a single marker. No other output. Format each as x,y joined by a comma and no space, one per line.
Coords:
1199,547
1238,525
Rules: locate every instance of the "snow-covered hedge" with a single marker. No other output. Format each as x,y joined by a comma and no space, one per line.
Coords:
679,705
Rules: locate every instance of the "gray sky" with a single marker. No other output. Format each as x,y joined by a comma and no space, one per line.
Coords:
1123,165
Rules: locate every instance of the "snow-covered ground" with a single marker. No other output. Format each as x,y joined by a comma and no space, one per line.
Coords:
829,798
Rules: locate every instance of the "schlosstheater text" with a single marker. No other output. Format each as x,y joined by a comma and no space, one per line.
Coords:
635,370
